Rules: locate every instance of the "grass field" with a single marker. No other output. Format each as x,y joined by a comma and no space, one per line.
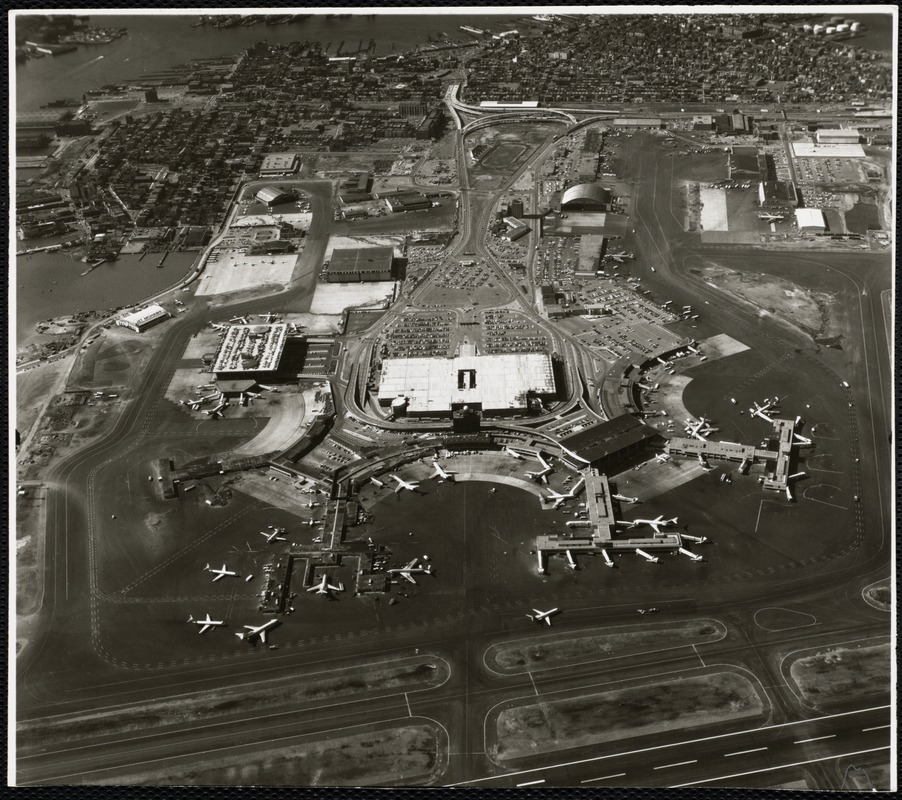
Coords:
591,719
842,674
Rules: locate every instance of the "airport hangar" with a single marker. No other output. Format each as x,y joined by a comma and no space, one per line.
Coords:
586,197
496,384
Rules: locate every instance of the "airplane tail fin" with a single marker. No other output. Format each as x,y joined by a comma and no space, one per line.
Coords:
207,567
191,618
240,635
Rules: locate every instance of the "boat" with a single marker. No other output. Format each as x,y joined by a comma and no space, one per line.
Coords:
470,29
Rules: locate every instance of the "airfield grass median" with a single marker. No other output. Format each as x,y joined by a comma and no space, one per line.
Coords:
557,650
401,755
299,688
617,714
843,674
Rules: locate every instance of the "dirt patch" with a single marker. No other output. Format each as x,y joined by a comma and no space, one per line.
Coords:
879,595
302,687
804,308
841,674
402,755
617,714
557,649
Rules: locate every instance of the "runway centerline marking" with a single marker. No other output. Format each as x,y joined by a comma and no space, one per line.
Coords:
816,738
604,778
875,728
678,764
744,752
407,700
531,783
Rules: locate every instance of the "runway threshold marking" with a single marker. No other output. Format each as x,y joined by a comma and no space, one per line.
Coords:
816,738
781,766
604,778
678,764
744,752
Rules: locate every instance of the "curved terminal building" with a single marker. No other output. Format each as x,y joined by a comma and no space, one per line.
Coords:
586,197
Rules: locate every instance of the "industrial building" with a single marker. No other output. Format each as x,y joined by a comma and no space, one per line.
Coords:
610,445
810,220
838,136
248,350
826,150
360,264
586,197
280,164
407,201
777,194
516,229
491,383
141,320
273,196
355,188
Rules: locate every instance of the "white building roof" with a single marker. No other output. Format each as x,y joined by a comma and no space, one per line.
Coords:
432,385
145,315
840,135
251,348
829,150
810,218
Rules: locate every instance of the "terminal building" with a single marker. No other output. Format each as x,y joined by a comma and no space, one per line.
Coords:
610,445
586,197
360,264
248,351
140,321
496,384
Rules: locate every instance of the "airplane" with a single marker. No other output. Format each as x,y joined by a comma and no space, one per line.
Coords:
657,524
689,554
324,587
607,559
274,536
376,482
205,623
221,573
542,616
540,475
440,472
412,486
699,429
624,499
409,569
257,630
662,458
794,477
704,464
771,217
560,498
512,453
620,257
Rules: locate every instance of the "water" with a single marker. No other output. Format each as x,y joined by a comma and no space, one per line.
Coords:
156,43
51,284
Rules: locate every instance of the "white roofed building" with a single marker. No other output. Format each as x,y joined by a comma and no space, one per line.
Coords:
810,220
142,319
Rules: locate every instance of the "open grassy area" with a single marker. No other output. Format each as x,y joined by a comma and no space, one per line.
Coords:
400,755
617,714
843,674
559,649
299,688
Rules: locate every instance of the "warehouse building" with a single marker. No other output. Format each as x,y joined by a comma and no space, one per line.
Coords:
407,201
586,197
140,321
492,383
360,264
639,123
838,136
826,150
272,196
249,350
810,220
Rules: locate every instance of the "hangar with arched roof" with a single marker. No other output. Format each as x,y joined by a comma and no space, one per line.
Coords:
586,197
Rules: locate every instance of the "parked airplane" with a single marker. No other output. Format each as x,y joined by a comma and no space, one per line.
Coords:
620,257
794,477
699,428
542,616
513,453
377,482
662,458
540,475
704,464
657,523
258,630
440,472
205,623
408,570
324,587
646,556
220,573
771,217
412,486
624,499
274,536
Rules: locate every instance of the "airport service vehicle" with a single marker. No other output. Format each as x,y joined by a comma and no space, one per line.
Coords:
410,569
220,573
324,587
206,623
656,523
542,616
513,454
274,536
441,472
257,630
402,484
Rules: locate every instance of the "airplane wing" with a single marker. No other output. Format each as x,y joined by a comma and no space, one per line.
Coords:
205,627
408,576
220,575
263,636
411,564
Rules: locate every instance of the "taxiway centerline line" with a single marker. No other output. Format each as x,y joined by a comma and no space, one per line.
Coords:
678,764
781,766
875,728
604,778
